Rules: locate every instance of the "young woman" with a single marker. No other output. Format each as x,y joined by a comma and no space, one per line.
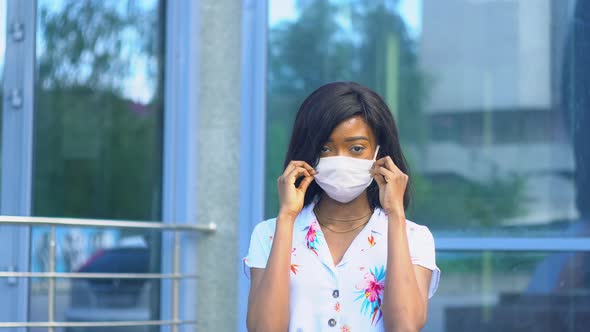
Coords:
341,256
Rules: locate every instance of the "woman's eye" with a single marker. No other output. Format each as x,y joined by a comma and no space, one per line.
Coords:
324,149
357,149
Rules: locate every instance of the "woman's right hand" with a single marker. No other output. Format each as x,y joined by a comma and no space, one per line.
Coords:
290,197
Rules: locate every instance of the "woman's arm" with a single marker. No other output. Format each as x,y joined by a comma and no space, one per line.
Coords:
405,297
268,302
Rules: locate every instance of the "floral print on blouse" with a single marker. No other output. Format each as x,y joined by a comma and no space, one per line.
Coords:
371,289
313,236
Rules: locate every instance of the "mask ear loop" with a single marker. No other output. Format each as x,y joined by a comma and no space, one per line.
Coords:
376,152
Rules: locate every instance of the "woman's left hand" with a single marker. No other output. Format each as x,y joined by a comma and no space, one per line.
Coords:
392,185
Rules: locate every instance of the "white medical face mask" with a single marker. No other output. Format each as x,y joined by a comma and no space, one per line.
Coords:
344,178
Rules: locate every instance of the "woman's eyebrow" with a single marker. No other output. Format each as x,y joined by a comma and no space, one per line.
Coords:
356,138
350,139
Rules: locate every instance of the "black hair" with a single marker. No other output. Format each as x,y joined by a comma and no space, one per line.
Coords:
325,109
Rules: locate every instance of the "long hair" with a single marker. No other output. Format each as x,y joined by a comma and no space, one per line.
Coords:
325,109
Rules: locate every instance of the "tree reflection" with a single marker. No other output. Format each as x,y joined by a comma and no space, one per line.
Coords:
93,43
365,42
97,152
369,42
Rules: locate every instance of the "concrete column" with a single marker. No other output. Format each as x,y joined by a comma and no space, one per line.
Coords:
218,162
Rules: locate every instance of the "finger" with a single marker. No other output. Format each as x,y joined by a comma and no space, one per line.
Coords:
388,163
299,163
289,168
308,167
292,176
379,179
384,175
391,165
305,183
379,162
297,173
374,169
385,162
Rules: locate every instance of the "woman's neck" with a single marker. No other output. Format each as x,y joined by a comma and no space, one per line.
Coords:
333,210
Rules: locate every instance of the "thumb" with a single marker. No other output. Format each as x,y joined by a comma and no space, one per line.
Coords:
305,183
378,177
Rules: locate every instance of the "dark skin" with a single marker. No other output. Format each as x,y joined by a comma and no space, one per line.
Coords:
405,298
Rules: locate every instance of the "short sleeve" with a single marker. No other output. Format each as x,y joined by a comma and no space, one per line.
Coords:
422,252
260,244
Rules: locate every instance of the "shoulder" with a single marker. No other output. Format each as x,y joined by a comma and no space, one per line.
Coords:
417,229
420,239
419,234
414,230
260,244
265,228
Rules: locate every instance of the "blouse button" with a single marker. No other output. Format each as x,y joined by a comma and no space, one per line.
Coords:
332,322
335,294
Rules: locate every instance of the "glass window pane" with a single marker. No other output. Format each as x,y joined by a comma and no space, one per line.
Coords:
106,299
2,59
99,95
98,149
490,98
512,291
102,250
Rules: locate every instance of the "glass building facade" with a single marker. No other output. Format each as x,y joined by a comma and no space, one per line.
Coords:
169,114
491,102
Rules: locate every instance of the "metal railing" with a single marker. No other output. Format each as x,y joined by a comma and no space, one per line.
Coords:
52,275
545,244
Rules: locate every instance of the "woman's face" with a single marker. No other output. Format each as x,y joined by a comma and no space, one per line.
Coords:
352,138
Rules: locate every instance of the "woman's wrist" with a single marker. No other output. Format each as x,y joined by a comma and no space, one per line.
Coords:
286,215
395,216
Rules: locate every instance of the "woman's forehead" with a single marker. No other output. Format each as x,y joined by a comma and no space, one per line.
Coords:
353,127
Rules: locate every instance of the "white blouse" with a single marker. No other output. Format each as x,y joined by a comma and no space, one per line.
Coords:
348,296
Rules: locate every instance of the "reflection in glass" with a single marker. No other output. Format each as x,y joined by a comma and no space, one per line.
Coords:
2,59
80,300
512,291
98,149
500,147
92,250
98,109
492,103
479,91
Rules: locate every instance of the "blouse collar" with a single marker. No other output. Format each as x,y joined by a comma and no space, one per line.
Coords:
312,237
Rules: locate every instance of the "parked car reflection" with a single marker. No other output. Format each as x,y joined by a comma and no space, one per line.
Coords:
112,299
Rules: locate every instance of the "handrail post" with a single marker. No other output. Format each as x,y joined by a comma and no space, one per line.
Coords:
51,285
175,281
